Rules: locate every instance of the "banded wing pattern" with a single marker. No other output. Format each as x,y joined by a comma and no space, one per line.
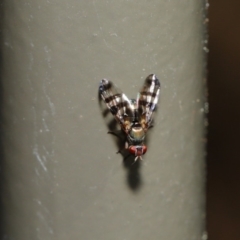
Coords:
118,103
147,100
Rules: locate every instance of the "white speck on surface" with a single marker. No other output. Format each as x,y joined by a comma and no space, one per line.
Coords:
48,56
41,217
206,107
7,44
45,125
205,49
40,160
207,5
180,105
31,61
204,236
51,104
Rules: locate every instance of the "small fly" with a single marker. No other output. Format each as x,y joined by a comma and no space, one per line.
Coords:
135,116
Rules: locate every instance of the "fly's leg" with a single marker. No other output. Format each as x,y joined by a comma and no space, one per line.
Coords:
127,157
151,126
126,147
118,136
115,134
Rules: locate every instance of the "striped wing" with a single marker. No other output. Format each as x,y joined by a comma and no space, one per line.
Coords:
118,103
147,100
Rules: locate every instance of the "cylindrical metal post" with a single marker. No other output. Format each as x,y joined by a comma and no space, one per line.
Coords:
61,177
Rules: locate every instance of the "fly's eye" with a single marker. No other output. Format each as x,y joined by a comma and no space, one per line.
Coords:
132,150
138,150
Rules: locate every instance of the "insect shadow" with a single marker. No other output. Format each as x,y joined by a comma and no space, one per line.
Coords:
133,177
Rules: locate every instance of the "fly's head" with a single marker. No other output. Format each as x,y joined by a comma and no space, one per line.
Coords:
137,151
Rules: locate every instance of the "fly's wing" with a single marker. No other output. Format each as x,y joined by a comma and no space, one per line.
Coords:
147,100
118,103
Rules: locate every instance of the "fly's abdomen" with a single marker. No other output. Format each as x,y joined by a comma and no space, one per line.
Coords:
136,135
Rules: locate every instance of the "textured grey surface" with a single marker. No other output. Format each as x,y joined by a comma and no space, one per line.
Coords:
61,176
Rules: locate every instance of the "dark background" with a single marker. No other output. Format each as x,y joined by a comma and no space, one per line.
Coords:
223,191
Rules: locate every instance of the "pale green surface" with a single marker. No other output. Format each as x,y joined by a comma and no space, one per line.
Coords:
62,178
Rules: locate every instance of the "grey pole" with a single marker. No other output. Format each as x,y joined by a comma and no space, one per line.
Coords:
60,175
